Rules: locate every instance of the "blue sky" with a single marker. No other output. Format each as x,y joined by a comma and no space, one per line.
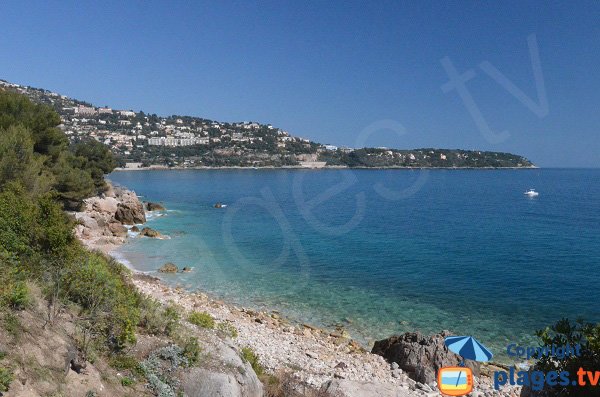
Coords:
330,71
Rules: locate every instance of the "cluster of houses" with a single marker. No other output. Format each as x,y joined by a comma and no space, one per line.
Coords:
126,131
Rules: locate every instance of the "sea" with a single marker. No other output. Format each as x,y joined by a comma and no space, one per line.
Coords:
382,252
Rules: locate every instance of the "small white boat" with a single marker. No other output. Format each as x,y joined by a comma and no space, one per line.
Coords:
531,193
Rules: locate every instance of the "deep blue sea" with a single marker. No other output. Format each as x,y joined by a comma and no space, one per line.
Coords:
384,251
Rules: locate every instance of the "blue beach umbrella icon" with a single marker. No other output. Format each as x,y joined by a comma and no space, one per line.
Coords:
468,347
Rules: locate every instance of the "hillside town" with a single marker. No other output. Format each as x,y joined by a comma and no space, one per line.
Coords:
143,140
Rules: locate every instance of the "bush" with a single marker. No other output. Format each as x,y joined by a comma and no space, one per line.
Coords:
156,319
6,378
18,296
227,329
202,319
249,356
191,351
123,362
127,381
566,332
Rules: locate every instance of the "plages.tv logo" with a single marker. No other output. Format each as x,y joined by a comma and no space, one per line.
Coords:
458,381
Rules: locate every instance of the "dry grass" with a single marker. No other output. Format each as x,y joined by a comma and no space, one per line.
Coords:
285,384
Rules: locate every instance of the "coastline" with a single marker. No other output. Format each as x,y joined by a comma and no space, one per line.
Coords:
316,356
327,167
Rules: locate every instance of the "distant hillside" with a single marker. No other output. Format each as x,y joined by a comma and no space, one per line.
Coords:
139,139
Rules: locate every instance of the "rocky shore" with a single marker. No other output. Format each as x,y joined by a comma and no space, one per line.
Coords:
326,360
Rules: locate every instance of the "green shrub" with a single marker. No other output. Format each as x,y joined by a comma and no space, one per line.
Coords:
202,319
127,381
6,378
572,333
249,356
123,362
227,329
192,350
11,324
18,297
156,319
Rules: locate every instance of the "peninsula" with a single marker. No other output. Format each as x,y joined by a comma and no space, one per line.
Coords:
141,140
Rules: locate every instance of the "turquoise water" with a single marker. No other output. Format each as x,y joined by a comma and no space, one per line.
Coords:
384,251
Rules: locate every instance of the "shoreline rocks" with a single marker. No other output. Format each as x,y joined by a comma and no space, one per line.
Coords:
169,268
420,356
148,232
150,206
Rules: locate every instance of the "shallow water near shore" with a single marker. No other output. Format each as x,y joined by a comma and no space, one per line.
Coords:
383,251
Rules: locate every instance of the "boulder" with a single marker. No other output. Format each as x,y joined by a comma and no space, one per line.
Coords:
150,233
135,229
222,374
154,206
130,214
169,268
420,356
130,209
117,229
107,205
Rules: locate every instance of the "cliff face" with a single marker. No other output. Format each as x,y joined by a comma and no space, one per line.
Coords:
100,223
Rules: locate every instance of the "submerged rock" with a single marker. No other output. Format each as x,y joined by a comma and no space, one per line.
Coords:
186,269
169,268
420,356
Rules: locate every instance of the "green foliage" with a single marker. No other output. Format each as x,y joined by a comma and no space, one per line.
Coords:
572,333
18,297
156,319
6,378
11,324
123,362
192,350
227,329
127,381
249,356
159,367
34,153
202,319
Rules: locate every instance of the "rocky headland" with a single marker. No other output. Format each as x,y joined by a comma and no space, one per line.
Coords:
327,361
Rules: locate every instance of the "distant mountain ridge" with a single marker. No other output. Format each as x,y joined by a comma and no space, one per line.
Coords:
142,140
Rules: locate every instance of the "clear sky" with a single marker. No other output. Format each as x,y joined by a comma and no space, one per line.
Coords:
335,72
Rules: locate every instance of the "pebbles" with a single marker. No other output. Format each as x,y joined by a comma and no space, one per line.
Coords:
314,355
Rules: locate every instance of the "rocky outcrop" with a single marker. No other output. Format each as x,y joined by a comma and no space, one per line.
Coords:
223,374
100,222
154,206
420,356
169,268
148,232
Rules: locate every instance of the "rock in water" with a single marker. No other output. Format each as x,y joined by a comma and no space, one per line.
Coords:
169,268
420,356
135,229
149,233
154,206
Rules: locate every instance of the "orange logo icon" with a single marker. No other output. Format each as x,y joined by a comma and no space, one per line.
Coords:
455,381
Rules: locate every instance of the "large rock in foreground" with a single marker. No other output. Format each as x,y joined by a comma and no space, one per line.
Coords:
130,210
222,374
420,356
